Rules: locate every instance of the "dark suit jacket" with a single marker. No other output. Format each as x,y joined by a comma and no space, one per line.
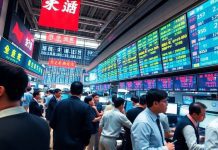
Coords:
51,106
35,108
72,124
24,132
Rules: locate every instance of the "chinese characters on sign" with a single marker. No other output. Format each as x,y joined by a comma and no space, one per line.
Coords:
12,54
61,14
61,63
21,36
61,39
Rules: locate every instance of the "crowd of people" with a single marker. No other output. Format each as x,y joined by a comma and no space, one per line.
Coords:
79,125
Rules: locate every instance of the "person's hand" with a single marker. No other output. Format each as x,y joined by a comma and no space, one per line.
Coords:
170,146
94,107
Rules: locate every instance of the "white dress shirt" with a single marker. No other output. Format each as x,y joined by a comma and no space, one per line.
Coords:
211,135
11,111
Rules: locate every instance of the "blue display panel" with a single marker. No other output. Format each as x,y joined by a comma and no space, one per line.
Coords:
149,84
122,85
187,99
93,76
208,82
185,83
149,54
138,85
175,45
165,83
129,85
127,62
111,65
106,87
203,32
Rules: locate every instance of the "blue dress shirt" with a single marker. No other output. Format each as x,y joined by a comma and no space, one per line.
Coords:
145,134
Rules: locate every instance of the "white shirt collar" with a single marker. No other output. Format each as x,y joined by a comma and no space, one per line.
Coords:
12,111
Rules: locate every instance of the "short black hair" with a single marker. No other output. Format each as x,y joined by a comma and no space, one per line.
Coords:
135,99
155,95
76,88
56,91
51,91
118,102
28,89
142,100
35,93
94,94
14,79
87,99
196,108
114,97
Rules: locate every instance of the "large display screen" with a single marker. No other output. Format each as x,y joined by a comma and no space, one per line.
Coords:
175,45
203,32
208,82
129,85
122,85
138,85
149,84
185,83
127,62
111,65
149,54
93,76
212,105
165,83
209,117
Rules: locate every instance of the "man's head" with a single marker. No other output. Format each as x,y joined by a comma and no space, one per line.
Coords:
142,101
119,103
89,100
57,93
135,100
197,110
76,88
13,82
36,95
157,100
28,89
95,96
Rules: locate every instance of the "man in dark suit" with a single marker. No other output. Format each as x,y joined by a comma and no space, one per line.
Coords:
19,130
52,103
72,121
34,107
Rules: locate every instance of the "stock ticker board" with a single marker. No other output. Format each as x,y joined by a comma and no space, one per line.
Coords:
111,65
203,31
208,82
185,83
149,54
149,84
175,45
127,62
165,83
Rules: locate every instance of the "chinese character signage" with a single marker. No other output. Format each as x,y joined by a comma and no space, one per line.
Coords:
1,3
21,36
61,39
61,63
12,54
61,14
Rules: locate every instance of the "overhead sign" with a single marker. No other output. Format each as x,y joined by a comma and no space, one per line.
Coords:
61,63
12,54
1,3
61,39
21,36
61,14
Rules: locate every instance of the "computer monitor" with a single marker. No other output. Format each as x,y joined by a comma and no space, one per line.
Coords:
184,110
172,108
208,118
128,105
212,105
187,99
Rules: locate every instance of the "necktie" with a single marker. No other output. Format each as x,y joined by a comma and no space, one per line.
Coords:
158,125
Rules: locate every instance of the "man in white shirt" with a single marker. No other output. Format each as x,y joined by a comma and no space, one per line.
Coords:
186,132
211,136
111,124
